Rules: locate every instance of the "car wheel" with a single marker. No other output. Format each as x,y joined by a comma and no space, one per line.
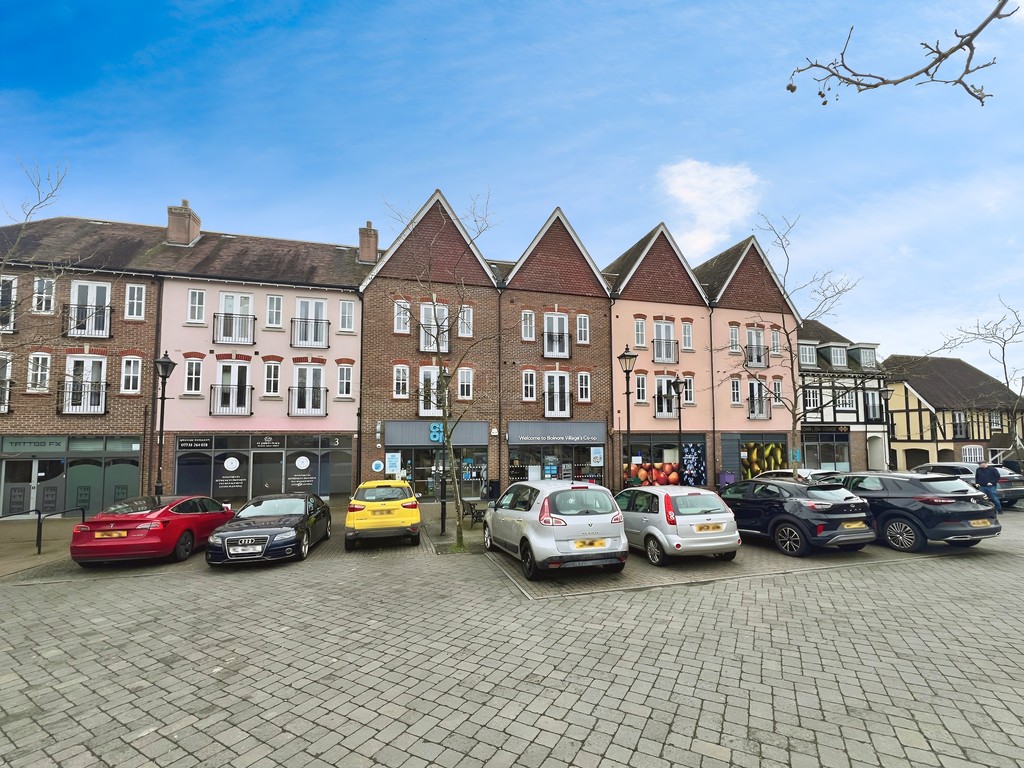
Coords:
725,555
327,530
790,540
615,567
350,544
488,541
303,552
183,548
851,547
655,554
529,565
903,535
414,540
964,544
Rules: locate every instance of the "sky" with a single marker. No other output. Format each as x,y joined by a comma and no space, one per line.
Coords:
305,119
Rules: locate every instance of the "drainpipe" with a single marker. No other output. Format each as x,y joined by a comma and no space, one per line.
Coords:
713,480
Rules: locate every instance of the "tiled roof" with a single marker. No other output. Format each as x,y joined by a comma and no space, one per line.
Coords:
812,330
616,272
117,247
948,382
714,272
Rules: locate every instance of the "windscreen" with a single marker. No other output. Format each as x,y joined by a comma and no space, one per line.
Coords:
272,508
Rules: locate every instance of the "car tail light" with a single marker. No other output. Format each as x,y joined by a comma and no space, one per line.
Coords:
352,507
812,504
821,529
934,500
81,528
617,517
670,511
410,504
154,525
546,518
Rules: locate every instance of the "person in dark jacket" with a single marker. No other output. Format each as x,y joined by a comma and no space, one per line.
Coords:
987,479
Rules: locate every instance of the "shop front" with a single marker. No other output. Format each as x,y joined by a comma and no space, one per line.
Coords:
543,450
826,447
418,447
52,473
234,468
660,459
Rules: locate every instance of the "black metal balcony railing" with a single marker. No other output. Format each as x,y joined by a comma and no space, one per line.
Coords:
234,329
558,404
307,401
759,407
666,351
557,345
86,321
5,395
78,397
310,333
664,406
230,400
756,356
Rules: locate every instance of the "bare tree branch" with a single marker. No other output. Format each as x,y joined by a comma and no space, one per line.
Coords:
839,72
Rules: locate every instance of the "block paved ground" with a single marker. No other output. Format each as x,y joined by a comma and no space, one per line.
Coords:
397,656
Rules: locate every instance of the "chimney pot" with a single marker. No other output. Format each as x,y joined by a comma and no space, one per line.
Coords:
368,251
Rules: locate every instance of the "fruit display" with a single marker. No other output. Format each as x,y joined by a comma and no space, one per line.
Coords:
756,458
692,470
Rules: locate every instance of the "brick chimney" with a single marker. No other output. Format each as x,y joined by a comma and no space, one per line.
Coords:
368,244
182,224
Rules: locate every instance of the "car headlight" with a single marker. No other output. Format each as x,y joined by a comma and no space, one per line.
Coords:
285,536
212,540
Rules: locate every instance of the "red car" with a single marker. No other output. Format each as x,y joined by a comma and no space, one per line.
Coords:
148,527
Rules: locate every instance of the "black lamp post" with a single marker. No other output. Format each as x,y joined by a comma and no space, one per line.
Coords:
626,361
885,394
677,385
164,366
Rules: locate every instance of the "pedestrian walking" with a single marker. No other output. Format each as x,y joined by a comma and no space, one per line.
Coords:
987,478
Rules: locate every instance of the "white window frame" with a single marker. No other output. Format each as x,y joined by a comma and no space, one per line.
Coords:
402,317
275,311
867,358
433,327
529,386
812,399
94,321
6,364
346,377
44,289
582,329
844,400
664,398
776,392
872,405
838,357
973,454
234,374
583,387
272,379
734,340
756,354
465,377
94,370
688,393
39,365
347,316
735,390
193,380
10,307
311,327
131,375
556,335
400,382
995,421
776,348
465,322
196,312
135,301
309,396
557,392
528,325
759,397
808,355
429,395
639,333
686,340
640,387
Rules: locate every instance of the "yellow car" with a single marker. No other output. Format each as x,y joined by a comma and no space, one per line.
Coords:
381,508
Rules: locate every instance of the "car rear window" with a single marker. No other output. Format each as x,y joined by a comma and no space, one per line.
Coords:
583,502
952,485
382,493
697,504
139,504
829,492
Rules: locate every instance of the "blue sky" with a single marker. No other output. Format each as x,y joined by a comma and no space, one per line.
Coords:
303,120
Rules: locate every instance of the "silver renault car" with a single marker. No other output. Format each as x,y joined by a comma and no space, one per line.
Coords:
555,524
671,520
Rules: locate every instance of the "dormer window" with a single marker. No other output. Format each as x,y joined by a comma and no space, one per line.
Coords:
808,355
867,358
839,357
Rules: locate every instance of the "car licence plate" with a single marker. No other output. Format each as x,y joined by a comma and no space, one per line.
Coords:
707,527
111,534
382,511
854,524
980,523
589,543
245,550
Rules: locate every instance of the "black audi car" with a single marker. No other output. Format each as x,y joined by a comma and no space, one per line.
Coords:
282,526
799,516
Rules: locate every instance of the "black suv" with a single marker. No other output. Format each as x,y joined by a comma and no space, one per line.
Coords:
798,516
911,509
1011,484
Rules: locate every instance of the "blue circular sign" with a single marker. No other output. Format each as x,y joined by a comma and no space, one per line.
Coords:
377,466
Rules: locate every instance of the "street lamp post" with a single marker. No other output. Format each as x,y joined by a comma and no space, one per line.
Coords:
885,393
626,361
677,385
164,366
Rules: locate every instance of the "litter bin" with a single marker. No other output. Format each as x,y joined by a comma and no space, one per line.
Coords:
725,478
493,489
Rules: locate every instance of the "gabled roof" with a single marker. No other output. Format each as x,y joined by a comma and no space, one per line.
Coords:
557,217
813,330
107,246
621,271
435,199
950,383
717,273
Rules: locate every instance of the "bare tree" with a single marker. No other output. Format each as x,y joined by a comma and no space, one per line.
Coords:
839,72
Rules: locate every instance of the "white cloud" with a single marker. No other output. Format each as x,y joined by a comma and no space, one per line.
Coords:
711,200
